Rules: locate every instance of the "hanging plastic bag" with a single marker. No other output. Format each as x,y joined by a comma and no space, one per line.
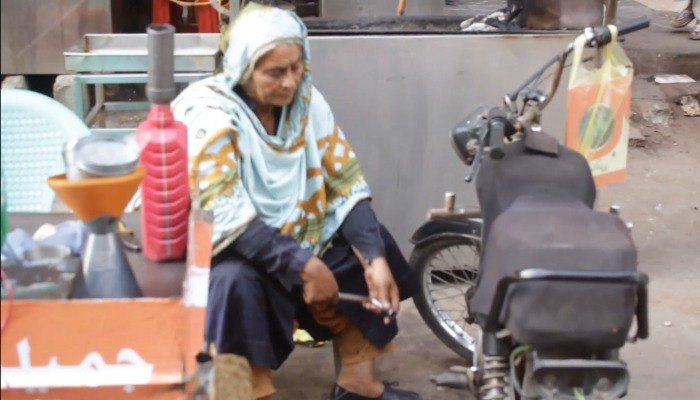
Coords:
598,110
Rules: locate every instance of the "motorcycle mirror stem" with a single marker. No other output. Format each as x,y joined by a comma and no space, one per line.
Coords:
475,164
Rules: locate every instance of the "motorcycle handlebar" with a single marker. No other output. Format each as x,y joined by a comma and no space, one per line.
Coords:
600,36
500,126
596,37
633,25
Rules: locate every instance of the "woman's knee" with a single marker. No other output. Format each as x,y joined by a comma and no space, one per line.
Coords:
234,275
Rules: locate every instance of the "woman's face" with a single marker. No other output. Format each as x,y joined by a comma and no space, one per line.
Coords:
276,76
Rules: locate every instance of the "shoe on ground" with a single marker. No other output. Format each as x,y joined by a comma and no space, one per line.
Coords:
338,393
683,18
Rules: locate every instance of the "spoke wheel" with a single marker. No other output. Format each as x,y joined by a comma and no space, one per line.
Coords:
447,269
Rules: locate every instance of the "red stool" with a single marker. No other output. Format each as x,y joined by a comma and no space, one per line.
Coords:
167,12
207,20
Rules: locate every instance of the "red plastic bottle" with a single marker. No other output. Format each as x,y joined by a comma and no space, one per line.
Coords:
165,193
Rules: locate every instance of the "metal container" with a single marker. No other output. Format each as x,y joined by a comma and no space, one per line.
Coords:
45,255
100,154
48,272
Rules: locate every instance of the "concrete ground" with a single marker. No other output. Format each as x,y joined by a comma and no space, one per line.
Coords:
660,47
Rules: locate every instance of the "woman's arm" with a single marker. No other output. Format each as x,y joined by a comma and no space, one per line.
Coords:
277,254
280,256
361,229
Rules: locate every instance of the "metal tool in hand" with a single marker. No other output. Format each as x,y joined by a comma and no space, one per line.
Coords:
387,312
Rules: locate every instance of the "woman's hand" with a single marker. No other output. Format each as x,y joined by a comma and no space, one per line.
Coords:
320,286
382,286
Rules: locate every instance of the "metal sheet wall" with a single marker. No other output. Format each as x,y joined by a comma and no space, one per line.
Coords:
34,33
396,98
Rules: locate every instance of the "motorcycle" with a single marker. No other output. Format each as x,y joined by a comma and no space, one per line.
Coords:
550,287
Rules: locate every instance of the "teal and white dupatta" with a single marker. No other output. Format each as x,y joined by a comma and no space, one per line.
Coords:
304,180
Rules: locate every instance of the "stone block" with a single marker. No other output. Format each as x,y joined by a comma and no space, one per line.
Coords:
15,82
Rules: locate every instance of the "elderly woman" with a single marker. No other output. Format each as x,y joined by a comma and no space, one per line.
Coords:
291,211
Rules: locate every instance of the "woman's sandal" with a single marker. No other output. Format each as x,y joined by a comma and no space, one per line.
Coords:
338,393
683,18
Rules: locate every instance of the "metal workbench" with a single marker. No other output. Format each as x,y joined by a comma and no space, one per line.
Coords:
122,59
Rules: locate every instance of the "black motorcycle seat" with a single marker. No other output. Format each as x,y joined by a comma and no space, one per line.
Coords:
522,172
560,233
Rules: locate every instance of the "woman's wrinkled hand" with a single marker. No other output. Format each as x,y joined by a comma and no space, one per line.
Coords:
382,286
320,286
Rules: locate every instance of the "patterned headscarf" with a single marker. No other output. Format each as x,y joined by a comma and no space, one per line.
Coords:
304,180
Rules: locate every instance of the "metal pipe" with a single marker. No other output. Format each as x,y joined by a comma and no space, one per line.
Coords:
357,298
160,86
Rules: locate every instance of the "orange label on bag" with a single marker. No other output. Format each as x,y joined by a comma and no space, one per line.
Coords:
598,111
600,130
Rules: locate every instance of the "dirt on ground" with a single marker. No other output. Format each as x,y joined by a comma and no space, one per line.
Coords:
661,196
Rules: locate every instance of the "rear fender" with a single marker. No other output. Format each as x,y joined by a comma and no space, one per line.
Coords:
447,227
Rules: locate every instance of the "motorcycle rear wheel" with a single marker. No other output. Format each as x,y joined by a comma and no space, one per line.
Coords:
447,268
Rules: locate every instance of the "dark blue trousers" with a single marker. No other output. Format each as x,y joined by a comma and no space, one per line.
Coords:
251,314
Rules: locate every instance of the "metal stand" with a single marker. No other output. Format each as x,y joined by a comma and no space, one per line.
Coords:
106,272
99,80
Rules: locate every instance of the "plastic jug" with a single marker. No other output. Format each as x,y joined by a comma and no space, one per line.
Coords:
165,194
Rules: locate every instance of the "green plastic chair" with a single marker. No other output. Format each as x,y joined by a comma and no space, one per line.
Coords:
34,129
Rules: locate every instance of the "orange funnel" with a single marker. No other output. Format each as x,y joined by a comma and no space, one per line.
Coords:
94,197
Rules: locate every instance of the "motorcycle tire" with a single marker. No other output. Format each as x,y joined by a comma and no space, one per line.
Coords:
447,329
